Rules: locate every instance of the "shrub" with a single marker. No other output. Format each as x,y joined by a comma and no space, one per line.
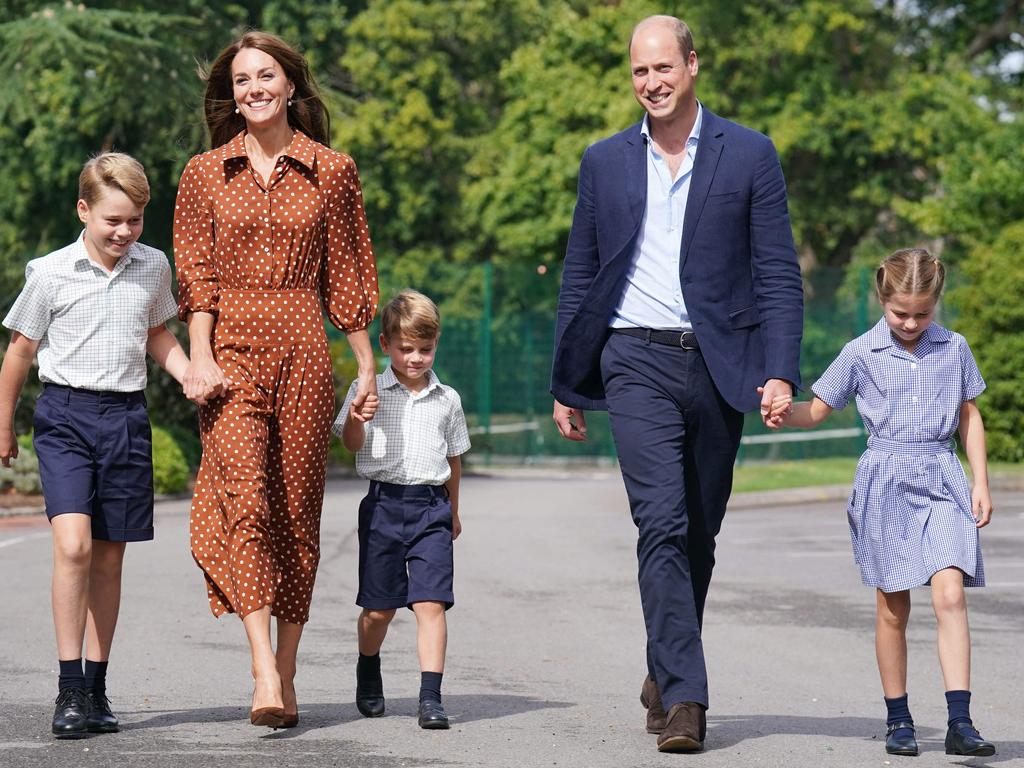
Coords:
991,317
23,474
170,469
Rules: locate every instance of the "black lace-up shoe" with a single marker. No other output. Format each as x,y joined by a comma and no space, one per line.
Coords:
70,714
964,739
369,695
432,716
900,745
101,719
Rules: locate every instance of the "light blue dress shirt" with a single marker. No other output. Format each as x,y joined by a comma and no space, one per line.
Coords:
653,297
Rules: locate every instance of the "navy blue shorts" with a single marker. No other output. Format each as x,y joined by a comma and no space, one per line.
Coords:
405,546
95,454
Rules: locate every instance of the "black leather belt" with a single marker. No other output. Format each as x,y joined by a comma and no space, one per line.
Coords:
683,339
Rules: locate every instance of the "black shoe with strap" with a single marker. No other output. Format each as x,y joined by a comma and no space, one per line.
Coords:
900,743
71,713
101,719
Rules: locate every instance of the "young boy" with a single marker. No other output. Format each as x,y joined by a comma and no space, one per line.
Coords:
410,452
92,310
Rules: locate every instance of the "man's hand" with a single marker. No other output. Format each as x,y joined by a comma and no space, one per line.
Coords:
773,390
570,422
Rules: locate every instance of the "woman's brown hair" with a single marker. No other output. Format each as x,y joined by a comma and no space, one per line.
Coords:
307,112
911,271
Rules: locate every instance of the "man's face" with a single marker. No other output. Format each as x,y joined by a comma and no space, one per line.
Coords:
662,78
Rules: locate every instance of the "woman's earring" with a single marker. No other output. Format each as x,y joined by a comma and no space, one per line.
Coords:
289,102
237,110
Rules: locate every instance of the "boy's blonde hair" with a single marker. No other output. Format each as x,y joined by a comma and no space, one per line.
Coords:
411,314
113,170
912,271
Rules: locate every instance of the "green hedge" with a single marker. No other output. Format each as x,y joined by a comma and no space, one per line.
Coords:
170,467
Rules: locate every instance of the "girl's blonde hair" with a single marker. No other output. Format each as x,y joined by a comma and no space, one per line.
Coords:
410,314
911,271
113,170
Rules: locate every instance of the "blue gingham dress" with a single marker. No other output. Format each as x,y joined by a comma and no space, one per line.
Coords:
910,508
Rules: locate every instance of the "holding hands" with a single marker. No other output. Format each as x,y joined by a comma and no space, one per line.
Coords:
203,381
365,404
776,402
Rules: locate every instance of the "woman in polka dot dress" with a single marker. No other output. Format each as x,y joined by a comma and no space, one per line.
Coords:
269,233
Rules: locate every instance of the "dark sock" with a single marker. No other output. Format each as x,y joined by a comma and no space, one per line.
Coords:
70,674
430,686
368,672
899,712
959,705
96,676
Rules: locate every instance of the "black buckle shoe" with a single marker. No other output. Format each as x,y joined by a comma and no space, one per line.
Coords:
70,714
901,745
964,739
101,719
432,716
369,696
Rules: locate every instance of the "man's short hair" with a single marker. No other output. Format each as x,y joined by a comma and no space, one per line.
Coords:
679,28
410,314
113,170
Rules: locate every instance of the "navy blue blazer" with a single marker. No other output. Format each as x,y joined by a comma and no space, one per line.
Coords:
738,271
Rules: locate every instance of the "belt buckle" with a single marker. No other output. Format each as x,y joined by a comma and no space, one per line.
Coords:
688,340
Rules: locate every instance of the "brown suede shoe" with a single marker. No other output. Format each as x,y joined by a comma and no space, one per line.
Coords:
685,728
650,697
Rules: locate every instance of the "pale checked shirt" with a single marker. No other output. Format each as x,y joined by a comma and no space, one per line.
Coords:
412,434
93,325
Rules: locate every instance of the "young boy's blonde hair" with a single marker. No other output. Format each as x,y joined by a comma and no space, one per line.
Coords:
113,170
911,271
410,314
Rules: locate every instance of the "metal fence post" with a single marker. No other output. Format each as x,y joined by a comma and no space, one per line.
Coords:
484,402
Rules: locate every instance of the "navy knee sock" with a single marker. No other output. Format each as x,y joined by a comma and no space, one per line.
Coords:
899,712
959,705
71,675
96,676
430,686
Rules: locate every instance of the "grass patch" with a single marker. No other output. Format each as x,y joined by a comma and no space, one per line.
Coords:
773,476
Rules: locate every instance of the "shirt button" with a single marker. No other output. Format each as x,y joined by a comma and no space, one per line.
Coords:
914,399
913,366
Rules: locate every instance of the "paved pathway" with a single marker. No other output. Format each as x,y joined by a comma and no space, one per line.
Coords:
546,650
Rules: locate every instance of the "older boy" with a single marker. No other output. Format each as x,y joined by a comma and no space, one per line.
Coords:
410,452
92,309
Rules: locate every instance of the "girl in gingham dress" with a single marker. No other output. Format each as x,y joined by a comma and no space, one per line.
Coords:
913,518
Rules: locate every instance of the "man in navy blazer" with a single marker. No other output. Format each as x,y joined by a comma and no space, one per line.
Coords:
681,307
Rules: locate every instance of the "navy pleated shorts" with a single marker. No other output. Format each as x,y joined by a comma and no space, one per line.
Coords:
95,454
405,546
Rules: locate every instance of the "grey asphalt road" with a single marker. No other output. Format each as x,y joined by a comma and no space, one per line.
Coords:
546,647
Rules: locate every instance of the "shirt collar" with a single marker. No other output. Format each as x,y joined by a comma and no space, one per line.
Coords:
694,137
880,337
388,380
80,253
302,149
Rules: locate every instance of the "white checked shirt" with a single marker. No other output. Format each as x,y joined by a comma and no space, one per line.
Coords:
92,325
412,434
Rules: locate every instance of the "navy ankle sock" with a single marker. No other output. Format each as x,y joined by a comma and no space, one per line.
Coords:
368,669
430,686
71,675
899,712
959,705
96,676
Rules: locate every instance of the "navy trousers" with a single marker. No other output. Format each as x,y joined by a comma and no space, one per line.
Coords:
677,440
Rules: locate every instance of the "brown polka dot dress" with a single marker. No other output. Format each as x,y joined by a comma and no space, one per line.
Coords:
268,260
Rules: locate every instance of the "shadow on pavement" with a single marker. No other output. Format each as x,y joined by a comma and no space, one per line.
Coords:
461,708
729,730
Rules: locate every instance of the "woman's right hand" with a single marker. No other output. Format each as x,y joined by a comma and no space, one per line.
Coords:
203,381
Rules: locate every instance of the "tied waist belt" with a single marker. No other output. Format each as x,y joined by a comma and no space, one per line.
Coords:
680,339
882,445
398,491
